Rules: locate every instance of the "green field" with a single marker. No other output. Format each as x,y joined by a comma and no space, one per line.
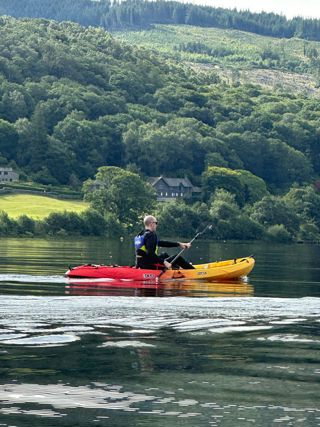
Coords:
37,207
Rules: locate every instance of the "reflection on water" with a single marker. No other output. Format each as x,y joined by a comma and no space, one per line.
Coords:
280,270
133,361
170,288
221,354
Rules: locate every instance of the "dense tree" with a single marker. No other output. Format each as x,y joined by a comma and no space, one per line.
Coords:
179,219
121,193
142,13
272,210
229,221
305,201
115,105
246,187
8,140
175,148
73,100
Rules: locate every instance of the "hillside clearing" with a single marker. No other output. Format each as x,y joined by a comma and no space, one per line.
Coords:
37,207
235,56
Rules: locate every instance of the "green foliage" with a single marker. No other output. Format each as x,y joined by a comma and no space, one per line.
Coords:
120,192
278,233
306,203
74,99
246,187
80,100
8,140
309,232
175,147
215,178
273,210
26,225
142,13
254,187
179,219
230,222
7,225
87,223
229,52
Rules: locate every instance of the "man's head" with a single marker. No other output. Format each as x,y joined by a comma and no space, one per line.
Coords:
150,222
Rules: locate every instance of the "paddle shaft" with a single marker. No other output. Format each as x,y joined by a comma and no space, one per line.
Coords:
182,250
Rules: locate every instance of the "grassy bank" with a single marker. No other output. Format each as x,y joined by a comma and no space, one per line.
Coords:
37,207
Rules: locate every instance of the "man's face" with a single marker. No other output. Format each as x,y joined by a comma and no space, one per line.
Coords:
153,225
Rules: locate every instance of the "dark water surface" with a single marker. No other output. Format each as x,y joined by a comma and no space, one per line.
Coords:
181,354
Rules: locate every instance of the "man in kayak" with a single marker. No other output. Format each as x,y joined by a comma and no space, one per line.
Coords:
147,243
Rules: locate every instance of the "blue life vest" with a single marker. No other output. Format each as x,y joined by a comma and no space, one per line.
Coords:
139,243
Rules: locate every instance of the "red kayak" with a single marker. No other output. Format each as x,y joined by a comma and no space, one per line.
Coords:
112,272
214,271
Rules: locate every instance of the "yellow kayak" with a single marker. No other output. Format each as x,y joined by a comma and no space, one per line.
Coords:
219,270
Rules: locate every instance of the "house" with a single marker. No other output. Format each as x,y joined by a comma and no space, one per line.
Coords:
8,175
173,188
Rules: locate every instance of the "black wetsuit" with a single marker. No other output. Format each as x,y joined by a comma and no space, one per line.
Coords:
150,260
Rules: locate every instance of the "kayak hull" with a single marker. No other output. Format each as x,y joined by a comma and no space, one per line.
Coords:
215,271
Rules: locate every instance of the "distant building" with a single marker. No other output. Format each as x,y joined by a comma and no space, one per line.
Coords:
8,175
173,188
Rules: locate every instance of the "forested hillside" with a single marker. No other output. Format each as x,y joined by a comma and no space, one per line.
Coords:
72,99
236,56
142,13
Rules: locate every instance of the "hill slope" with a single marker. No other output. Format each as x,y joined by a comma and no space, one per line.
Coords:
73,99
137,14
236,56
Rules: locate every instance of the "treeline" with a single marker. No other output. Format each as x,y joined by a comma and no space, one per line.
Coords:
293,217
132,14
73,99
237,203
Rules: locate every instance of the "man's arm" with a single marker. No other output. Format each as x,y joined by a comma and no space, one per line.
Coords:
166,244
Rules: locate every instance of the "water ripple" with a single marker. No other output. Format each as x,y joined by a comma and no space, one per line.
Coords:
62,320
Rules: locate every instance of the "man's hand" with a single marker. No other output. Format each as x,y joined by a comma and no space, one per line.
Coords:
167,264
185,245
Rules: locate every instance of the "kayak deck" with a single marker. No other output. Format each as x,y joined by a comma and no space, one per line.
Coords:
219,270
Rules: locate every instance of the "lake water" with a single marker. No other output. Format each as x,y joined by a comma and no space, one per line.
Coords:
183,354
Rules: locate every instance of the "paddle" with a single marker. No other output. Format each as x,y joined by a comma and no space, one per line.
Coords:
208,227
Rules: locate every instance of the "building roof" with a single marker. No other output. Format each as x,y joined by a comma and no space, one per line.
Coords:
172,182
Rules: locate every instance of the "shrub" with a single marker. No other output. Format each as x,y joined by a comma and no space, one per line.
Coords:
279,233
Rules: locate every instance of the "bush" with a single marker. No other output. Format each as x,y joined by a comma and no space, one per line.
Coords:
26,225
279,233
8,226
309,232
